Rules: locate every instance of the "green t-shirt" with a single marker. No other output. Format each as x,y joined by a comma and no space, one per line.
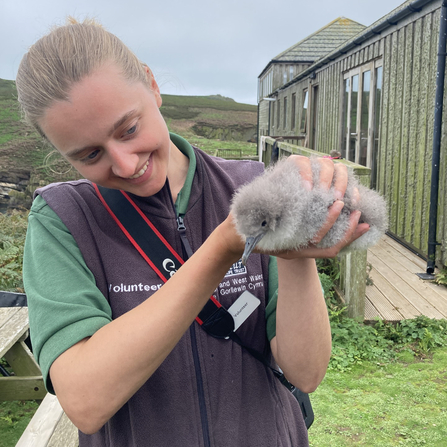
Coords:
80,309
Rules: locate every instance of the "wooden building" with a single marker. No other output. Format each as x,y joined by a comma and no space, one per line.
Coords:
373,99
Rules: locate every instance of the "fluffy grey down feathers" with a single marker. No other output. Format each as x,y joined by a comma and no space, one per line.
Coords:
281,214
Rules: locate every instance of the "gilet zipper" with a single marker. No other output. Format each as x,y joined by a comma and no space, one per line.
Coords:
187,252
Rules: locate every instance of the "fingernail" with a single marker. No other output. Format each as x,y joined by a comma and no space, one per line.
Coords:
339,204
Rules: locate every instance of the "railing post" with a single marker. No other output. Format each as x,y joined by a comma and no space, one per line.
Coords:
353,267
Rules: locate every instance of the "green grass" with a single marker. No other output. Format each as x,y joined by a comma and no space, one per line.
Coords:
210,146
205,102
402,403
12,239
10,123
7,89
14,417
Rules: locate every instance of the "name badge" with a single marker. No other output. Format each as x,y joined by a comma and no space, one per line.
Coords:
243,307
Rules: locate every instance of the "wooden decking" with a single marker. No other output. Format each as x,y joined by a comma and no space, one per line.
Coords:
398,293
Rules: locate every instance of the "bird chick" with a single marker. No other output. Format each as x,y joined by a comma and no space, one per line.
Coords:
276,212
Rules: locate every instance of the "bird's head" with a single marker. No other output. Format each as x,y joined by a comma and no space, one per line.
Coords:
265,210
255,226
256,216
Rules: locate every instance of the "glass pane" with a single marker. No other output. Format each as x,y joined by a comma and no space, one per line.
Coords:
304,113
377,106
364,119
353,122
285,113
346,84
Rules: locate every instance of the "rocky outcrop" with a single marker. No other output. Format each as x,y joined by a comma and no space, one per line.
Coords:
241,132
13,187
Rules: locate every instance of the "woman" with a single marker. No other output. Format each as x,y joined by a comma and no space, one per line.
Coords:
123,354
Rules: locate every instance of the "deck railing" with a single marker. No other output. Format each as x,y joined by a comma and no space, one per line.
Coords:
352,282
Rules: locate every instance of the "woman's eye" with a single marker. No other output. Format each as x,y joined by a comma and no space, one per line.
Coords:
132,130
93,155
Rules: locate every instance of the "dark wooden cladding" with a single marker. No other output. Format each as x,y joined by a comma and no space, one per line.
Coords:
408,55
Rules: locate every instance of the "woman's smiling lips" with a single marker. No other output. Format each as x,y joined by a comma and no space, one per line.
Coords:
143,174
141,171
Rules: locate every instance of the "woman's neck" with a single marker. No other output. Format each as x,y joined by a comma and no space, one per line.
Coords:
177,170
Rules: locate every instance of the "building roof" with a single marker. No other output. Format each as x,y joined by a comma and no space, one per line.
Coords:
321,42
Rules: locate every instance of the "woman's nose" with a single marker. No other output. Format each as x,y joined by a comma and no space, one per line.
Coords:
123,164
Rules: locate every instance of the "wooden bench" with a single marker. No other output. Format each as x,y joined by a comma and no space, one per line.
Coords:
49,427
27,382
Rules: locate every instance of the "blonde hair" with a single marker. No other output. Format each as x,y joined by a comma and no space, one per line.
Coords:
65,56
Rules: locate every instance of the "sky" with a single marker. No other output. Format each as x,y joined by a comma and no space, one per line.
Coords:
194,47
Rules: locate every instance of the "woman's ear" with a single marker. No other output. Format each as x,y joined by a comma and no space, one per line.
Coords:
153,84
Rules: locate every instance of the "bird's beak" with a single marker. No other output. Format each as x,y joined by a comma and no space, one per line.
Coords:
250,244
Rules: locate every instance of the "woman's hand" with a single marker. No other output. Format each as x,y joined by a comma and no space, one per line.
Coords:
330,175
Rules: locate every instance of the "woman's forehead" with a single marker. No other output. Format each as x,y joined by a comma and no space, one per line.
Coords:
96,106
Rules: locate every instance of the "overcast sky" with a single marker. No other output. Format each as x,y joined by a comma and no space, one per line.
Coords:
194,47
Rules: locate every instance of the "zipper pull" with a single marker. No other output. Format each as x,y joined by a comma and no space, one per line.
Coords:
180,224
182,230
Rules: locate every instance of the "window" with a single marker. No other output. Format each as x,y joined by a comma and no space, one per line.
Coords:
285,113
293,115
362,89
265,85
290,72
303,124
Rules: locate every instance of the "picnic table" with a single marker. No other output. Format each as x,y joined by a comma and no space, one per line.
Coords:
49,426
27,382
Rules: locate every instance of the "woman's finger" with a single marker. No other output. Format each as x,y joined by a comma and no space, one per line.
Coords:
333,214
305,169
327,170
354,231
340,180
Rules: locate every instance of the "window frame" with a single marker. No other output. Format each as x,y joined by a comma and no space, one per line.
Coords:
293,112
303,115
346,111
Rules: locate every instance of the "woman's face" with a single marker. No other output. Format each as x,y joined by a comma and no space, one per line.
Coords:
112,132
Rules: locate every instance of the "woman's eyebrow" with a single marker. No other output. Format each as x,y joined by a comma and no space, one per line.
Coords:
122,120
75,152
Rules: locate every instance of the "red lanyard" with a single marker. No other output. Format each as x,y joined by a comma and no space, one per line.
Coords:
159,254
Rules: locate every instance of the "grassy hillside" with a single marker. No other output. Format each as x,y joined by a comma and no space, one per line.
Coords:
213,117
7,89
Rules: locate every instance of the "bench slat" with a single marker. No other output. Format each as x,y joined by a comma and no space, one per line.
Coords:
45,424
22,360
6,313
13,329
65,435
22,388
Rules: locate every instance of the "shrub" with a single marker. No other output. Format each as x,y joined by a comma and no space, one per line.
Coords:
12,239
